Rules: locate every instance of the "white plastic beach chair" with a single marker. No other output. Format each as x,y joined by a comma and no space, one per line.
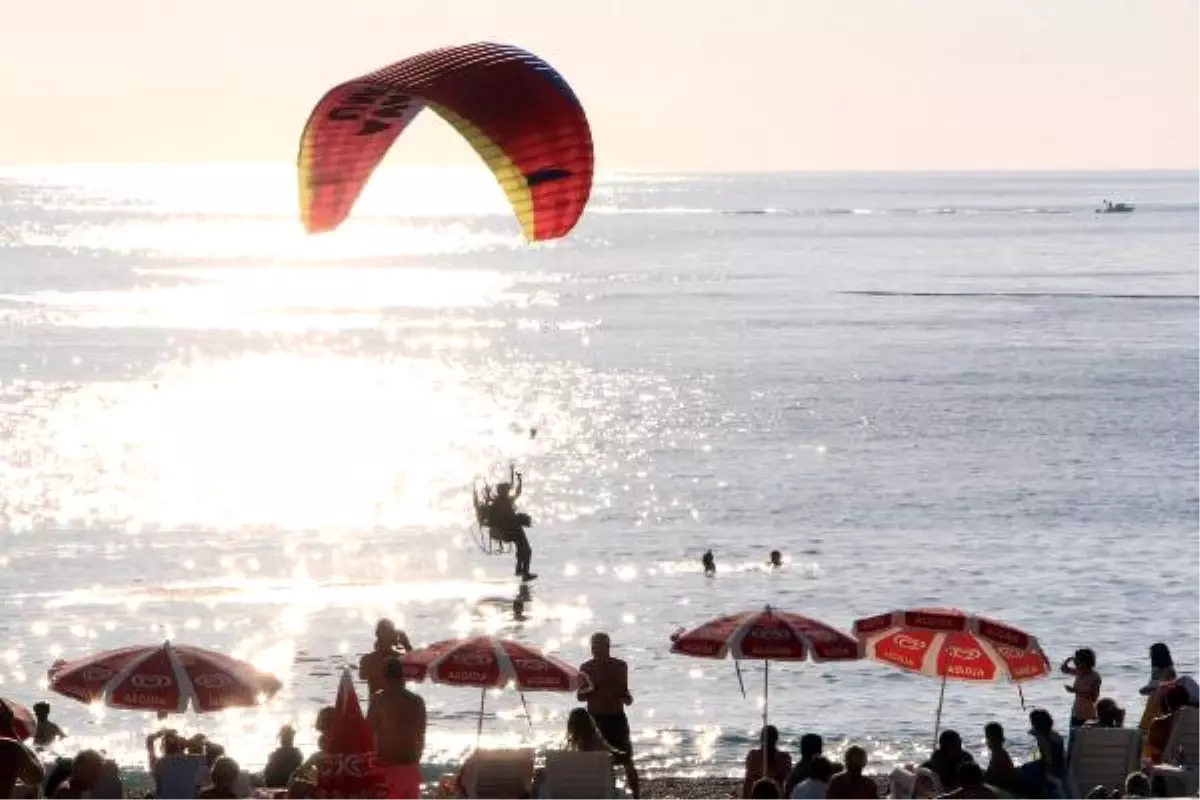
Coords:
1181,756
587,776
1102,757
499,774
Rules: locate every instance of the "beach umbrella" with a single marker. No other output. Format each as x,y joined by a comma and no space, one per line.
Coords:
24,723
163,677
950,644
765,635
490,663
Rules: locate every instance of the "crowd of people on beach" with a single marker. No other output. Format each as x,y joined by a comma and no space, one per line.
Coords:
952,772
197,767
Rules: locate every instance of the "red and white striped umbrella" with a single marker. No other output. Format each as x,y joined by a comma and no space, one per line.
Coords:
24,723
952,645
766,635
490,663
487,662
162,677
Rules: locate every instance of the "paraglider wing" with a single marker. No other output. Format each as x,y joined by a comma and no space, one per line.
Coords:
514,109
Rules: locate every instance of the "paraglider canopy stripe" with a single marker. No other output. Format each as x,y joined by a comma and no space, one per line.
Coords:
514,109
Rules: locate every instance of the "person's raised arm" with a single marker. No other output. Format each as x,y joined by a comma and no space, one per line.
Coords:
517,486
588,687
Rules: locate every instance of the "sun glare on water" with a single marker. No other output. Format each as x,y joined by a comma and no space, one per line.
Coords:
251,212
257,442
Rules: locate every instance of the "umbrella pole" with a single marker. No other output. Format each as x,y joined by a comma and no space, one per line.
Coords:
525,706
1021,695
479,729
762,739
937,721
766,691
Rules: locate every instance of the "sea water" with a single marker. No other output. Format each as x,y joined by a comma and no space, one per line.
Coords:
925,390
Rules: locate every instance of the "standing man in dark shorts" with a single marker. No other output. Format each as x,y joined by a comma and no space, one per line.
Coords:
606,701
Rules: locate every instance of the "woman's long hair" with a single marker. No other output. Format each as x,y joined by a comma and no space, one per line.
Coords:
1160,656
582,732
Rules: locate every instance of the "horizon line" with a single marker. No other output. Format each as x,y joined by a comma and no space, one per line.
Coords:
644,170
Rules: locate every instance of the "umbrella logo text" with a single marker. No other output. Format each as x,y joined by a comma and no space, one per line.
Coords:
472,659
1010,653
906,642
960,671
97,674
150,681
964,653
212,680
771,634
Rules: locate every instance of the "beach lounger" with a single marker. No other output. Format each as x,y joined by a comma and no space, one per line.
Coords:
1102,757
1181,756
499,774
587,776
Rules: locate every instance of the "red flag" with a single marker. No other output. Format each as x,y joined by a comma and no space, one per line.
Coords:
349,768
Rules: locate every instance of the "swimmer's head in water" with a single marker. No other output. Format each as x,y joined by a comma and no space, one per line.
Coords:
393,671
776,558
601,645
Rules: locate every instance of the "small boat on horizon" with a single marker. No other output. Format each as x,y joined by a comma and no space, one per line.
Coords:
1115,208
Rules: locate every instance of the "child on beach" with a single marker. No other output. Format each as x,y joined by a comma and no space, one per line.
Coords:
1000,772
767,761
1046,775
1086,687
816,785
851,784
46,733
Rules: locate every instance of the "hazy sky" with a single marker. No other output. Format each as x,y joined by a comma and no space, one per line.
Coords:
668,84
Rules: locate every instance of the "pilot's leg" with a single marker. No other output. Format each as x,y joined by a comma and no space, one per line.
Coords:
524,554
